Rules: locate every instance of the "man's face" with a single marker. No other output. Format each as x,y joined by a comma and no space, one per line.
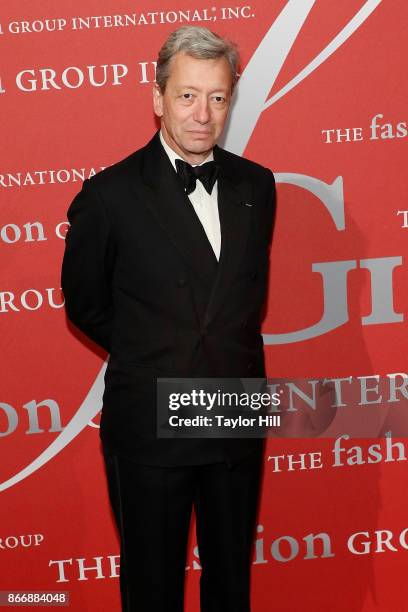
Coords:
194,106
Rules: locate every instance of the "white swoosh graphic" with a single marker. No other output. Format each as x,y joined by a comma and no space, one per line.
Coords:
337,41
88,409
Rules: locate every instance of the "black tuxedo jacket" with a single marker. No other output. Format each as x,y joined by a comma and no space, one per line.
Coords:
141,280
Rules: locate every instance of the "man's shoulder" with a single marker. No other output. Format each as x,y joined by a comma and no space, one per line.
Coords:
119,171
240,166
125,170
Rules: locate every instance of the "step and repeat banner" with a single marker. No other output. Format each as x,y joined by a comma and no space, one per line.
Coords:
322,102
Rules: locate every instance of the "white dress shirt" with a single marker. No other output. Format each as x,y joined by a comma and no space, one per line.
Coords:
204,204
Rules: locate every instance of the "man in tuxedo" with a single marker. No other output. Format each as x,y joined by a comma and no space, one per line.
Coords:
166,268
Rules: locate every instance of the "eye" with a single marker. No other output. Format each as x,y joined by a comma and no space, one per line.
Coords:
187,96
219,99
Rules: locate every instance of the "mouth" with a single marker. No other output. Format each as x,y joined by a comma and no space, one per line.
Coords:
199,133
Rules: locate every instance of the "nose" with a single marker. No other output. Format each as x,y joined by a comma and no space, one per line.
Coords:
202,111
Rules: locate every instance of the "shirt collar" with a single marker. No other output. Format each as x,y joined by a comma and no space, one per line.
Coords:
173,155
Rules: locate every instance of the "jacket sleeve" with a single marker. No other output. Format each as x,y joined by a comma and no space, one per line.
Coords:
87,267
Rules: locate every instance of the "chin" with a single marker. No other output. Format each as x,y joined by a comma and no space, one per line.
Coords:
199,145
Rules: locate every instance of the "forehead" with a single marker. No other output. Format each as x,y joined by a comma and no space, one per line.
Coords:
188,71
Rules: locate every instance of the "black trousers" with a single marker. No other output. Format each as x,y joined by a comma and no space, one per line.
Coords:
152,507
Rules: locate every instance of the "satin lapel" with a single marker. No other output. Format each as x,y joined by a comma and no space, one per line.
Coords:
173,210
234,205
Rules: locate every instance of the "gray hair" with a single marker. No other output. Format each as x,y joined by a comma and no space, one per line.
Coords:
197,42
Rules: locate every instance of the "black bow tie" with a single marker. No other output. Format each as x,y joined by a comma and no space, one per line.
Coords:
207,174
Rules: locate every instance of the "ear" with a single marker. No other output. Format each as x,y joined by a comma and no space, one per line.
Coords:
157,100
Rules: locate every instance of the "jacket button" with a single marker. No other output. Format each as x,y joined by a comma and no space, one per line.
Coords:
254,275
250,365
181,282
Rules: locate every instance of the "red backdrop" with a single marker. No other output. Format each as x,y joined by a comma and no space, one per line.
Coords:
322,95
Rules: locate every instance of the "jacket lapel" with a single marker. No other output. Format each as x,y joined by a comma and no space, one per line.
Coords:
234,205
174,212
167,201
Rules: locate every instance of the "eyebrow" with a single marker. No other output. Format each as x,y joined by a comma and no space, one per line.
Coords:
187,87
221,90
